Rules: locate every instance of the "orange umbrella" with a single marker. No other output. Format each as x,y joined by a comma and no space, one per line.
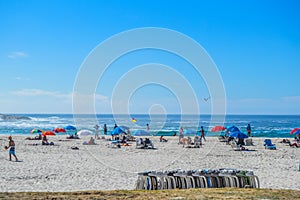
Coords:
48,133
59,130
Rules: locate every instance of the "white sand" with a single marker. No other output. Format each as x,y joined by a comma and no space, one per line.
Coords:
98,167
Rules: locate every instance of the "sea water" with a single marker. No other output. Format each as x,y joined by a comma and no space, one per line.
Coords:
262,125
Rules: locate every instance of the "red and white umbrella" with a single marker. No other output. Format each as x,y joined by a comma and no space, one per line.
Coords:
218,128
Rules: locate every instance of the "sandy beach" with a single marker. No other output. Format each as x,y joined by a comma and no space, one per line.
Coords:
99,167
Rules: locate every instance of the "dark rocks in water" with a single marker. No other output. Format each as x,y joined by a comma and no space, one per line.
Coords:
13,117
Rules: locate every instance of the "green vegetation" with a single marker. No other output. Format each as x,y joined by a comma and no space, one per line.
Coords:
224,193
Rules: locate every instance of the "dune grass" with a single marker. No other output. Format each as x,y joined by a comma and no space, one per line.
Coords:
223,193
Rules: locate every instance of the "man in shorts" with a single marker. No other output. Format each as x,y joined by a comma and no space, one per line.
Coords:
11,147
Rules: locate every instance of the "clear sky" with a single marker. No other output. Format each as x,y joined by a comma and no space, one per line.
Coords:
254,44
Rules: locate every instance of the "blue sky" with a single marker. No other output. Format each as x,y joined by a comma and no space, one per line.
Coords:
254,44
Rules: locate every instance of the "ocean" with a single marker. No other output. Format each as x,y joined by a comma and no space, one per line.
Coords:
262,125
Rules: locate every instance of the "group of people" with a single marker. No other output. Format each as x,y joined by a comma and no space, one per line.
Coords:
202,135
96,127
295,143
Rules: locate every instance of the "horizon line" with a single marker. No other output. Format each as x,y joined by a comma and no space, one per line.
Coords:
5,113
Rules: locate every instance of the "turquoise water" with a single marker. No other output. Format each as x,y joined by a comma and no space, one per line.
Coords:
262,125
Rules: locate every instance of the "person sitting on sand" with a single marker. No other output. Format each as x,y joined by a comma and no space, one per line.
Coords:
75,136
162,139
186,141
45,140
241,142
11,147
295,144
229,139
197,139
285,141
92,141
124,139
38,137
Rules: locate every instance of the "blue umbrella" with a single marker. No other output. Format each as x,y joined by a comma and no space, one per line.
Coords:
141,133
70,128
238,134
117,131
295,131
232,128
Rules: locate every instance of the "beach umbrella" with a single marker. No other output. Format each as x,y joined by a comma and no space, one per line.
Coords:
141,133
36,131
48,133
233,129
125,129
238,134
70,128
295,131
84,133
59,130
218,128
117,131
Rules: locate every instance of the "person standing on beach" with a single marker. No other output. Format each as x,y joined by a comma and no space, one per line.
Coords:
249,130
105,129
11,147
180,134
202,134
96,131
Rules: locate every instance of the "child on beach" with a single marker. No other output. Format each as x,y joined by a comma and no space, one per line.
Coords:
11,147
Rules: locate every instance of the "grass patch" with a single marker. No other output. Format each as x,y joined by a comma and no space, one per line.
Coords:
222,193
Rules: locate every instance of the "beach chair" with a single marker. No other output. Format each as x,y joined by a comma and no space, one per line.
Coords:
144,144
139,143
247,179
197,142
268,144
148,144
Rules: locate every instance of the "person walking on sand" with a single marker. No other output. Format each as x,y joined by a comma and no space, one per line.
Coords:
202,134
11,147
249,130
